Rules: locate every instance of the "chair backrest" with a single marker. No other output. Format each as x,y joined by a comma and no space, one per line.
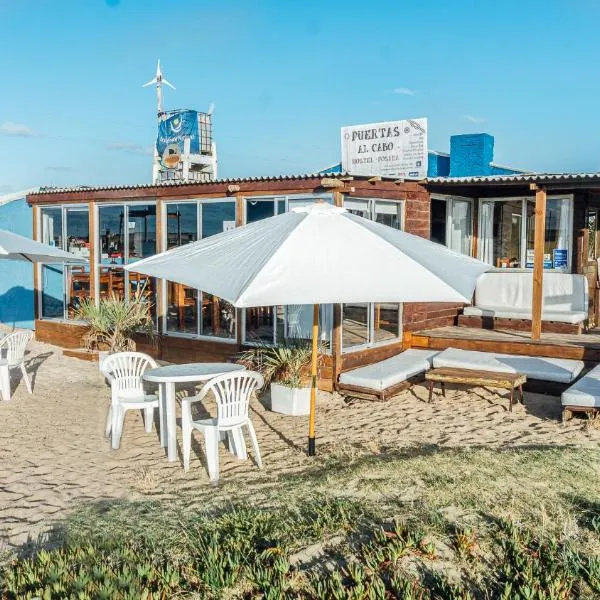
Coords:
232,392
126,370
13,346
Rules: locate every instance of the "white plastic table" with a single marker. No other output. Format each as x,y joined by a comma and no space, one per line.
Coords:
167,377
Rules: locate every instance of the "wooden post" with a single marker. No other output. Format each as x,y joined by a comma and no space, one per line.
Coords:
93,226
538,262
161,284
313,384
336,342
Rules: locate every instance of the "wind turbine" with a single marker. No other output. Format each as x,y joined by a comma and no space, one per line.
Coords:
159,80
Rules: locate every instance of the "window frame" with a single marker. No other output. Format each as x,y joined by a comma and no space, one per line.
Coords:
523,239
372,203
39,235
275,198
449,199
165,288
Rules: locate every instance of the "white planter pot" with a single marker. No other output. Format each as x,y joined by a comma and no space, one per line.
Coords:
290,401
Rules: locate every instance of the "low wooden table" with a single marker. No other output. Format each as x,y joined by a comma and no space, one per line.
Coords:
506,381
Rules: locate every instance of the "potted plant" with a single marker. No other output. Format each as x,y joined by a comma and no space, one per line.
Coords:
287,369
114,321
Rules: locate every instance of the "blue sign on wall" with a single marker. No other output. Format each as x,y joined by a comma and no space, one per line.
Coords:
559,258
172,130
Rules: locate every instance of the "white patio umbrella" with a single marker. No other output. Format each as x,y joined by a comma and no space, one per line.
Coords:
17,247
318,254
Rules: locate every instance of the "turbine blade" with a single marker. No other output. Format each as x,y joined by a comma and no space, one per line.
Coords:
167,83
150,82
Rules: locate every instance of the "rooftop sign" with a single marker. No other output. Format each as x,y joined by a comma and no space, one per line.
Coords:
388,149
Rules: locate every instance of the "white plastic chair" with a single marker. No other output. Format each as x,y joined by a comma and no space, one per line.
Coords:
232,392
12,355
124,370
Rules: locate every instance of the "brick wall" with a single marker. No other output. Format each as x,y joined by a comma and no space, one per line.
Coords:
424,315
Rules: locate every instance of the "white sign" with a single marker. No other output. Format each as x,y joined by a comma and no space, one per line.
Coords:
228,225
389,149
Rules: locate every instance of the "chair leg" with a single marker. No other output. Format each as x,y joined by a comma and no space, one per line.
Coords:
26,378
211,445
5,382
108,422
254,444
148,418
237,443
186,432
162,420
118,419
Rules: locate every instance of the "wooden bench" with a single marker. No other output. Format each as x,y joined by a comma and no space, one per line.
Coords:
506,381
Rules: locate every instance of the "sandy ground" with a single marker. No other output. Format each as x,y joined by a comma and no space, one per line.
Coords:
53,454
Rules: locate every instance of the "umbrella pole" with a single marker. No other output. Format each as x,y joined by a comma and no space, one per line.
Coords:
313,386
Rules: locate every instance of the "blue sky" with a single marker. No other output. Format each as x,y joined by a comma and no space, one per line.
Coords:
285,76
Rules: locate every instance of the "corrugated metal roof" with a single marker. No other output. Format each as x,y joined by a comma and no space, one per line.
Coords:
519,178
6,198
235,180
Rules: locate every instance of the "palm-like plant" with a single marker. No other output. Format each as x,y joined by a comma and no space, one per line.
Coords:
287,364
113,321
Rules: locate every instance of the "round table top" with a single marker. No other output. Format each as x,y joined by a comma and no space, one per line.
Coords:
190,372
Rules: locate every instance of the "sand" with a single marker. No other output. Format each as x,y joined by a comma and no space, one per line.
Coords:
54,456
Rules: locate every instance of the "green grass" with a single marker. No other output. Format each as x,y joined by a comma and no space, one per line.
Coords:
422,523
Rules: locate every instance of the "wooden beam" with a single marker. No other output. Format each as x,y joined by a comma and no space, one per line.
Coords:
332,183
92,258
161,284
338,198
538,263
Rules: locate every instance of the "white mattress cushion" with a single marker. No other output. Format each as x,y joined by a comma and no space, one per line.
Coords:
509,290
386,373
562,370
503,313
585,392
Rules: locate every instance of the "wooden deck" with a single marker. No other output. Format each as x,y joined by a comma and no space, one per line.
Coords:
585,346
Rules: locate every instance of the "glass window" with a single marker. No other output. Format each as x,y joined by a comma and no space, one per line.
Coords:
373,323
355,325
111,228
188,310
218,317
141,231
386,322
182,224
52,226
53,293
507,231
63,288
217,217
257,210
438,221
182,312
460,226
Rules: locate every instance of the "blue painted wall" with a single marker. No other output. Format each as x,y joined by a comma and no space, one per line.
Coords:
16,277
438,165
471,154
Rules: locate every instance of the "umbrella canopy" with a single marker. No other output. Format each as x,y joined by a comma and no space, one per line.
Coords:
319,254
17,247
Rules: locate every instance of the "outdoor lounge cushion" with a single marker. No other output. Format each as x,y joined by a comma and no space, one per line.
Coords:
386,373
585,392
508,295
561,370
